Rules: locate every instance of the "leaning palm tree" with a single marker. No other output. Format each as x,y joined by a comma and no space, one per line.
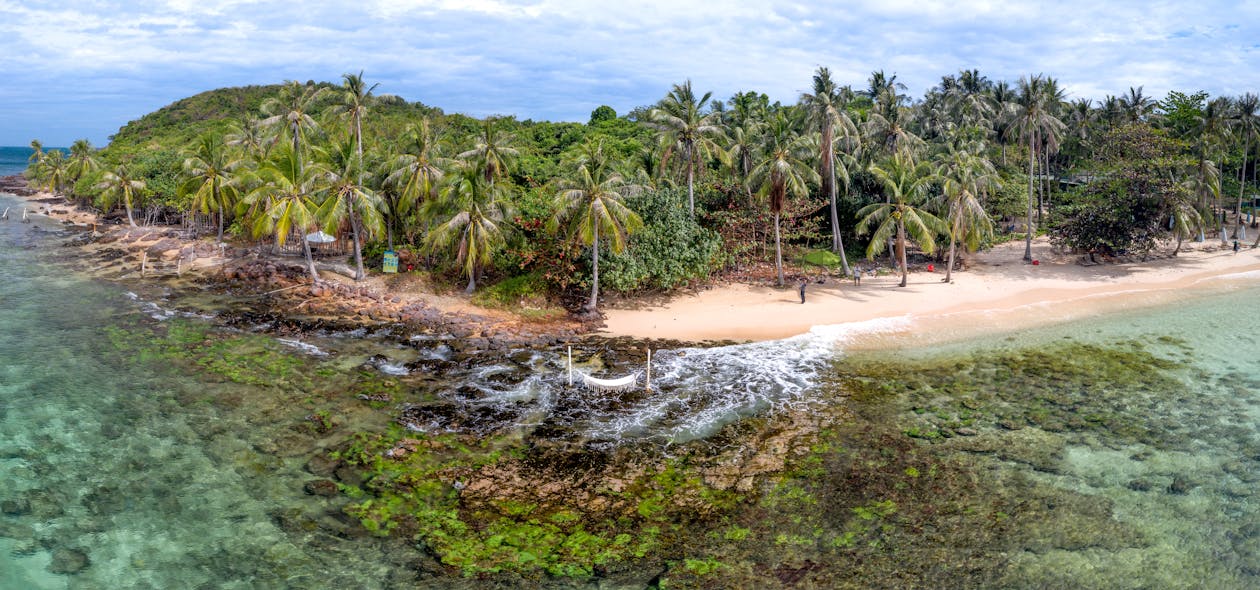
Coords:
291,111
678,117
471,216
118,185
347,200
209,169
284,200
828,112
592,203
966,175
37,151
493,153
52,171
900,217
782,170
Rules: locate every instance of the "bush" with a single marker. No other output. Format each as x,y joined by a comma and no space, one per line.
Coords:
670,250
513,292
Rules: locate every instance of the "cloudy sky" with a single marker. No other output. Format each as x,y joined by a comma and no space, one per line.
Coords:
83,68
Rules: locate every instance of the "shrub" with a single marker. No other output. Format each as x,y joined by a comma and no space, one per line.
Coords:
670,250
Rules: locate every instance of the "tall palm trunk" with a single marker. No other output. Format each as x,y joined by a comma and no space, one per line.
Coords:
1032,158
953,233
691,195
130,220
1242,183
590,305
837,243
901,251
220,224
218,202
778,251
472,280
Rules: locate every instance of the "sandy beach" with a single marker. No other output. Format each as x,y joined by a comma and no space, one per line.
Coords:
997,291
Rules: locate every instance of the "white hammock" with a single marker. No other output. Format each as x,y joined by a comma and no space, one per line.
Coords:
620,384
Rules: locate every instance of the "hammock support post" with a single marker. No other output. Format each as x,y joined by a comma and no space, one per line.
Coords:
570,366
647,386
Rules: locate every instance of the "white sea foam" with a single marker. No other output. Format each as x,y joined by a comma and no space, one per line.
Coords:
307,348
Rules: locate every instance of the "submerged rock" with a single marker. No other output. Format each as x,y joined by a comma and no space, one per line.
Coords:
68,561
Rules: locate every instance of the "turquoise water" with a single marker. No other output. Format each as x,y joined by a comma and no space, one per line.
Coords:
164,477
13,159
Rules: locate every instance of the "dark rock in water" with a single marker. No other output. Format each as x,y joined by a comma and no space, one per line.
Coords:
321,487
68,561
1180,485
15,530
322,465
16,506
1140,485
965,432
348,475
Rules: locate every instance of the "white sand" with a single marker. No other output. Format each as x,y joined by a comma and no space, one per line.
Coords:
999,290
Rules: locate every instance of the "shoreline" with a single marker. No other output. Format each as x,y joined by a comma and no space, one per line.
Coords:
998,293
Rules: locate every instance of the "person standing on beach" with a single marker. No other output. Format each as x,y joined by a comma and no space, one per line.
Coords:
1235,252
804,281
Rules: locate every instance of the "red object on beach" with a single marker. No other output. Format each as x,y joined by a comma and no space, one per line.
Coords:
931,268
1036,263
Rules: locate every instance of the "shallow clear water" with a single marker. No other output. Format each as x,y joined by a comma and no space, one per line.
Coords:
173,479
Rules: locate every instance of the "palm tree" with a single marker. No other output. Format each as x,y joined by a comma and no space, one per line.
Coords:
353,103
291,111
782,170
414,174
828,112
592,202
741,152
119,185
82,160
1003,97
1136,106
965,177
678,117
37,151
1035,122
905,184
284,200
472,214
209,169
249,135
493,153
346,200
1246,121
52,170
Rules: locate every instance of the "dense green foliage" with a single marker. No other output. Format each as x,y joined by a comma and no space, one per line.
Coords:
759,177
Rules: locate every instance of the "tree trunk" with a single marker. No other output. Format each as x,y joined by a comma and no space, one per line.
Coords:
901,252
359,273
1032,157
310,260
1242,183
1177,250
949,267
130,219
691,196
220,224
472,281
778,251
594,301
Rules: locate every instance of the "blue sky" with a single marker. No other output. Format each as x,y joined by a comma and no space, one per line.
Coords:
83,68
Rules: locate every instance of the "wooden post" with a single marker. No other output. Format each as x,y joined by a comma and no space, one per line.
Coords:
570,366
648,381
179,266
144,259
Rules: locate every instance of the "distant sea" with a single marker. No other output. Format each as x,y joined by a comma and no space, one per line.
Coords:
13,160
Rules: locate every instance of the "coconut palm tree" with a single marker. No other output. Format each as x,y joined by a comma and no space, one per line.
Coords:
828,112
82,160
291,112
1003,98
346,200
782,170
209,168
249,134
52,170
1036,123
414,175
471,216
678,117
905,185
284,200
965,175
1246,123
592,202
493,154
118,185
1136,106
37,151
